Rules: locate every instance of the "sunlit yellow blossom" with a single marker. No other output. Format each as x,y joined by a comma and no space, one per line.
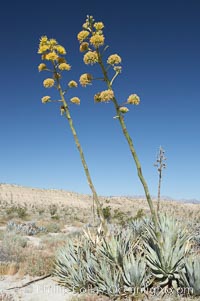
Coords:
75,100
42,67
114,59
53,42
90,57
64,66
45,99
48,83
85,79
61,60
43,40
82,35
107,95
123,109
97,40
43,48
98,25
133,99
51,56
84,46
60,49
72,84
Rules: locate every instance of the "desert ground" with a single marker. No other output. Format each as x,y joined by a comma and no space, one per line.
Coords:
34,223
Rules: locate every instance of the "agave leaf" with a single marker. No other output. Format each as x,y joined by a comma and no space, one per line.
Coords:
165,253
134,271
191,276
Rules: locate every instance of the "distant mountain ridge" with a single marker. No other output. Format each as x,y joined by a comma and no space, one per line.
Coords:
67,193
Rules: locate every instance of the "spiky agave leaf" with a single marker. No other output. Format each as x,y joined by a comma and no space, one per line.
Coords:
70,265
108,279
191,277
139,225
134,272
115,247
165,253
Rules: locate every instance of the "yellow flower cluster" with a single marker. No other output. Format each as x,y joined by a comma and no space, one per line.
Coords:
82,35
107,95
72,84
45,99
123,110
133,99
104,96
90,57
53,42
64,66
92,30
42,67
48,83
85,79
43,48
84,47
75,100
97,40
98,25
60,49
51,56
114,59
50,49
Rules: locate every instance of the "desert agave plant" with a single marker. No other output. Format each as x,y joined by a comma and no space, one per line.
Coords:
165,254
111,267
191,277
108,279
115,247
134,273
70,265
138,226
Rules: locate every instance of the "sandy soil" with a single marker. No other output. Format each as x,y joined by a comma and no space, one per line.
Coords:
43,290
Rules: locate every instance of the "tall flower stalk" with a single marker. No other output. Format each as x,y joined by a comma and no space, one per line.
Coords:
54,54
91,40
160,165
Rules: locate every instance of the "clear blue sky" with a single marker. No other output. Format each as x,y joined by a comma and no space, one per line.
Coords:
159,42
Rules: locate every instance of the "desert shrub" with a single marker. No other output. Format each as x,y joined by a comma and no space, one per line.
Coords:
55,217
21,212
139,215
37,264
107,212
12,247
120,217
29,228
52,209
53,227
11,210
54,242
8,268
